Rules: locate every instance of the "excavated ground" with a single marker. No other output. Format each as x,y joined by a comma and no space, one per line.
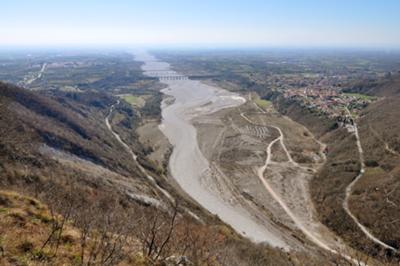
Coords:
235,142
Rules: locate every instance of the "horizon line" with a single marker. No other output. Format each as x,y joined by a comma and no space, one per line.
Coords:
190,46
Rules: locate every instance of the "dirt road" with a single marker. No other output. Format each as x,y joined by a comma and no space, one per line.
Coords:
188,166
134,156
321,241
349,192
35,77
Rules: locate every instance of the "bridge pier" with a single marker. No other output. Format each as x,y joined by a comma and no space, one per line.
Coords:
173,77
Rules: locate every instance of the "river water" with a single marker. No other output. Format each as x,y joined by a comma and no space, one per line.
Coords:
187,163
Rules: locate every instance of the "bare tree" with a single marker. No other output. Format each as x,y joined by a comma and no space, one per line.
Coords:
60,211
104,232
155,233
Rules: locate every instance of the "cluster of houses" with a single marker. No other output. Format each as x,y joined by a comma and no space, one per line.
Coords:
328,101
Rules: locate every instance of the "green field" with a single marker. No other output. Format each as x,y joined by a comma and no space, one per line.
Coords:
133,100
263,103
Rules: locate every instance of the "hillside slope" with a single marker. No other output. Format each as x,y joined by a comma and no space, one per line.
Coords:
375,198
386,86
56,147
52,133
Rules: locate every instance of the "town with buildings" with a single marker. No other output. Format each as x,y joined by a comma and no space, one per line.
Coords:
328,101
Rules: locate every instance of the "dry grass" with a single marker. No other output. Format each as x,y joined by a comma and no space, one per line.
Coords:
24,226
376,197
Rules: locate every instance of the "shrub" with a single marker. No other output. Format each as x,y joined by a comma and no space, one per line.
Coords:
371,163
26,246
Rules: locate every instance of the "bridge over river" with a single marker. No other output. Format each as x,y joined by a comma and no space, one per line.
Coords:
163,75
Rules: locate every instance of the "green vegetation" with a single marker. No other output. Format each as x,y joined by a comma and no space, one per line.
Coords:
135,101
263,103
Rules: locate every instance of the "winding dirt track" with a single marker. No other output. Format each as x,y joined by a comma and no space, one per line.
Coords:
260,173
188,165
134,156
349,191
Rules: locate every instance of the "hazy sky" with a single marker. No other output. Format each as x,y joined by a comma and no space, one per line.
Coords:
350,23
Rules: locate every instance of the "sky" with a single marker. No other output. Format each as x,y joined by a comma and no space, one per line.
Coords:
253,23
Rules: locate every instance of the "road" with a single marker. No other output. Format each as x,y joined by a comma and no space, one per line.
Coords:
134,156
349,189
38,76
188,165
191,169
260,174
309,234
290,159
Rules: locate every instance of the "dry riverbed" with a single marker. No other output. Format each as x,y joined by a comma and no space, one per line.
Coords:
221,160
